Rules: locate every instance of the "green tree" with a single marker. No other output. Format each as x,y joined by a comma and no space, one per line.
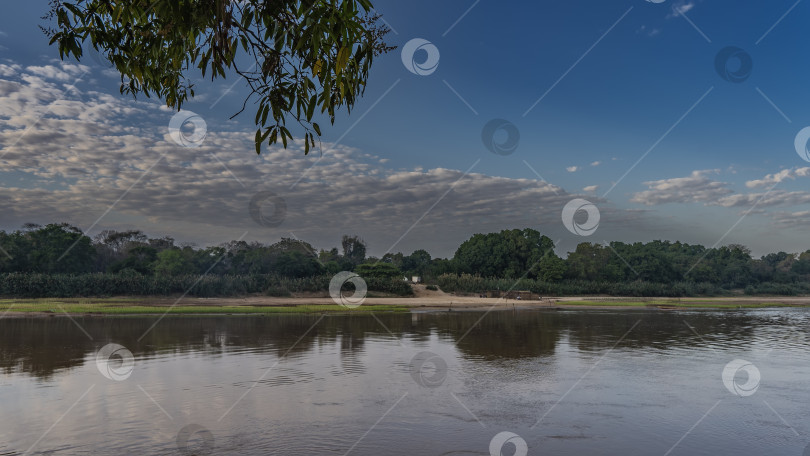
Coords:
329,256
59,248
551,268
296,56
141,259
112,246
385,270
354,249
510,253
253,259
175,262
210,260
417,262
591,262
297,264
802,264
396,259
16,249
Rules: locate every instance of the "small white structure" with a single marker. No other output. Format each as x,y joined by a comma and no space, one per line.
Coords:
416,279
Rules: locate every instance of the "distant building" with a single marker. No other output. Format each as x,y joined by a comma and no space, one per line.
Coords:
416,279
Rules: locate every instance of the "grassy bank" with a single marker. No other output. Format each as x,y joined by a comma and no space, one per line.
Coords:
131,306
466,283
682,304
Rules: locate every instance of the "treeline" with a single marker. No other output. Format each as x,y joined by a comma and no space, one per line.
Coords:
657,268
60,259
65,249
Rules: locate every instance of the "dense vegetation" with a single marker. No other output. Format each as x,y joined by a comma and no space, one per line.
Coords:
58,260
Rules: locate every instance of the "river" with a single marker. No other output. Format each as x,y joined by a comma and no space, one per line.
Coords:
526,382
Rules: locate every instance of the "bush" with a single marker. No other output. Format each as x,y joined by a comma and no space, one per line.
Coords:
378,270
29,285
466,283
130,282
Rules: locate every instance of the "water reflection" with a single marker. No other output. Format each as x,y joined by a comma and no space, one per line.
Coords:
566,382
42,347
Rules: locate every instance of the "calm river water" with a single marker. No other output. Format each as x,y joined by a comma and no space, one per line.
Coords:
459,383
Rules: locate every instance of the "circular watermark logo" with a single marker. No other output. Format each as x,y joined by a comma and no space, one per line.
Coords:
730,377
502,439
336,289
428,369
801,142
181,122
409,57
279,209
733,64
500,137
115,362
587,227
195,440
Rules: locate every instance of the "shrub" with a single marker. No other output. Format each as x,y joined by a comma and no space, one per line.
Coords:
29,285
378,270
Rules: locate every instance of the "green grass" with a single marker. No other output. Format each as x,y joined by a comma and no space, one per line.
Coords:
603,303
704,303
126,307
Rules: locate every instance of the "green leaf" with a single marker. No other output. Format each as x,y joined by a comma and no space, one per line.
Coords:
342,58
311,108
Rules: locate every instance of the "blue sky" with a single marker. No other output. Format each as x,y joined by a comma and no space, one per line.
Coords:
616,81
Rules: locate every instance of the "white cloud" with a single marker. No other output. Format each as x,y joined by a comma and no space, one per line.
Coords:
766,199
680,7
698,188
596,163
799,219
649,32
695,188
572,169
590,188
683,7
776,178
9,70
66,72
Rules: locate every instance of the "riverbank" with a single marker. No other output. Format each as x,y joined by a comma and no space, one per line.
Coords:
261,305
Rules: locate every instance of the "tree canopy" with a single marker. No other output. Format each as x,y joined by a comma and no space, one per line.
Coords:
295,55
510,253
